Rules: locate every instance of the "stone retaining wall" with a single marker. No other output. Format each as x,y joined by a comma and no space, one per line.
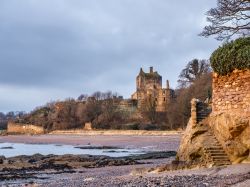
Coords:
17,128
231,93
199,111
230,119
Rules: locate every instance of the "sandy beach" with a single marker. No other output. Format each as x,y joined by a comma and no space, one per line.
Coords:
126,175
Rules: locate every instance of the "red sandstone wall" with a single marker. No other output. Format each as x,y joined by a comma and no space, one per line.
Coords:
24,129
231,93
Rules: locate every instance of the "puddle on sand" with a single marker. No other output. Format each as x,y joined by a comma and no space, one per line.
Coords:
46,149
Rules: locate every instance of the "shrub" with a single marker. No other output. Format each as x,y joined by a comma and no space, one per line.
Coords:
132,126
232,55
148,127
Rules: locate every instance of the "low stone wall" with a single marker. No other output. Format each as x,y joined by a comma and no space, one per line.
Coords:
18,128
199,111
231,93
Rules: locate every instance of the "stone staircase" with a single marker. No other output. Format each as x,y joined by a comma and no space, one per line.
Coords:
215,152
203,111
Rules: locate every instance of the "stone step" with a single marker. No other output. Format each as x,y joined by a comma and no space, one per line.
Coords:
219,157
218,154
216,151
215,148
214,143
222,161
222,164
202,114
200,118
225,157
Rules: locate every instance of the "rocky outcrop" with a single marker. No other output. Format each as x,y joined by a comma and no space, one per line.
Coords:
233,133
225,134
199,145
216,140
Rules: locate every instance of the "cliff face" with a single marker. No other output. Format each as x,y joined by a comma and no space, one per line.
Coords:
192,143
233,133
225,134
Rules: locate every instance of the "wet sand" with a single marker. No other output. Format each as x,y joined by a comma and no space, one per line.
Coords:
154,143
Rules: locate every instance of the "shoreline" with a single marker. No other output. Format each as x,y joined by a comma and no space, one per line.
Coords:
116,132
145,142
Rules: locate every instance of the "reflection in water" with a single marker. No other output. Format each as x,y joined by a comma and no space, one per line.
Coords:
45,149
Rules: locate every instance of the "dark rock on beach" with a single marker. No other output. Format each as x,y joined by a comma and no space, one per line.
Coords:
97,147
26,166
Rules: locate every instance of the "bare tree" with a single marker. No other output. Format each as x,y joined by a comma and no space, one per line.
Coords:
82,97
150,109
97,95
193,70
230,17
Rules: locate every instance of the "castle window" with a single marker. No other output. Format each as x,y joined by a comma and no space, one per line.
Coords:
155,99
164,98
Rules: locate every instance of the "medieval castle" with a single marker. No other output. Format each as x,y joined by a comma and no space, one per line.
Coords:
149,89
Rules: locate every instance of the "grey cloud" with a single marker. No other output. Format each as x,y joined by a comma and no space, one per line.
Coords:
62,47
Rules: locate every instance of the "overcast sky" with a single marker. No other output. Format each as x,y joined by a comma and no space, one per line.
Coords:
54,49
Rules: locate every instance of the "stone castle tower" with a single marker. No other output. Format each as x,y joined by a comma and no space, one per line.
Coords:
149,87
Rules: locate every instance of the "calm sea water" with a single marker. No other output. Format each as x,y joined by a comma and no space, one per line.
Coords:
15,149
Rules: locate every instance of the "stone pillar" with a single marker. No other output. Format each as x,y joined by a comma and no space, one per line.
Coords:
194,111
88,126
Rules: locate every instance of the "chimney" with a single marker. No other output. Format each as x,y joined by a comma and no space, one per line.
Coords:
167,85
151,69
141,71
